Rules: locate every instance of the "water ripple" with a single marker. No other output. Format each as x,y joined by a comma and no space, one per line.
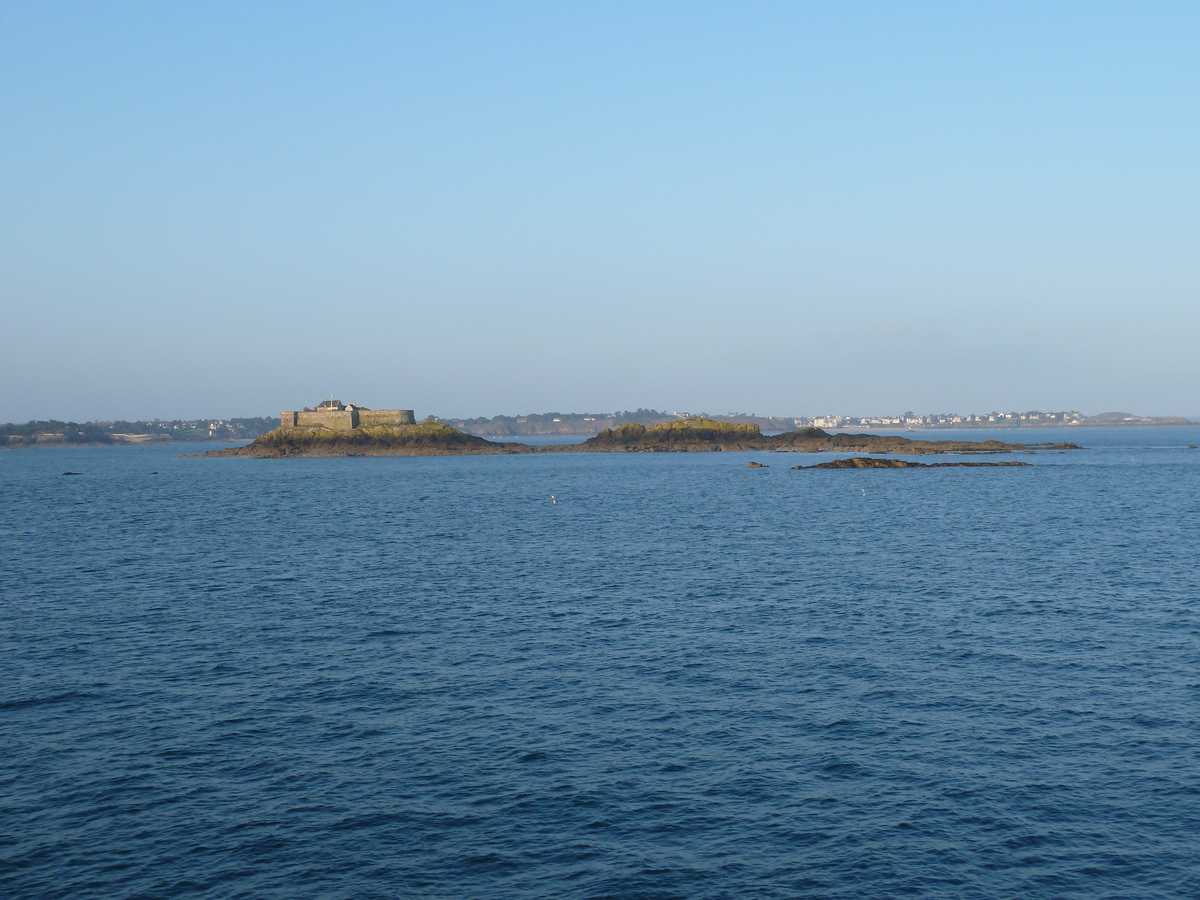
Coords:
394,678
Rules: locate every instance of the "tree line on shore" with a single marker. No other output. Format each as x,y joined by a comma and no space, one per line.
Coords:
55,431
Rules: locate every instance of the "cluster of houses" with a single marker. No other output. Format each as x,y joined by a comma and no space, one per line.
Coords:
910,420
946,420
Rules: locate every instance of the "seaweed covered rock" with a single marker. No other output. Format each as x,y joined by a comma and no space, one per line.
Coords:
814,440
870,462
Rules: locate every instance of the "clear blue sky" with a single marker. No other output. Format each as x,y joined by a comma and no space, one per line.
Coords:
469,209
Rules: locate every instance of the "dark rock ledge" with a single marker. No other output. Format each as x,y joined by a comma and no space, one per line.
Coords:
867,462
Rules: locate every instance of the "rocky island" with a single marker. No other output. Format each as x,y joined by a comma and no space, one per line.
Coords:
867,462
696,434
337,429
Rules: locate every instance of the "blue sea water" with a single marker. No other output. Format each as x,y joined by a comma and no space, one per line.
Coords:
418,677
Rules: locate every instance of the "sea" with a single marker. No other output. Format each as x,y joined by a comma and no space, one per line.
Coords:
601,675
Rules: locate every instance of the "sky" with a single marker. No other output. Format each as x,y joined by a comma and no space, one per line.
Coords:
229,209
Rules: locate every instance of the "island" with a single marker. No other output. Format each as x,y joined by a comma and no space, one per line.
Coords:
699,434
338,429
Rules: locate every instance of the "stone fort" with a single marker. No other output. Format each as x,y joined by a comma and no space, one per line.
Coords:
338,416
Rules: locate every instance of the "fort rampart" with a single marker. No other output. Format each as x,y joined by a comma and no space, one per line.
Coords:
347,418
385,418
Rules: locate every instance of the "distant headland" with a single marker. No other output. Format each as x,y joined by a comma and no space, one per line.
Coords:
338,429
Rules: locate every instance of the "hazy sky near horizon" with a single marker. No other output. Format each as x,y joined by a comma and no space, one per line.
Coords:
479,208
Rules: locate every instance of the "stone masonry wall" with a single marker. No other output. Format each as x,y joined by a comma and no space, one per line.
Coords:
347,419
376,418
334,419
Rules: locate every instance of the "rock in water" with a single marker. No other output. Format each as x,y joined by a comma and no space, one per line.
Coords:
866,462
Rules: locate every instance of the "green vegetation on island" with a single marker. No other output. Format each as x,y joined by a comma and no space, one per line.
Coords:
695,433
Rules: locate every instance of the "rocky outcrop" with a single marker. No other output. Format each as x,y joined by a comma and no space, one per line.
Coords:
870,462
694,434
814,440
425,439
697,434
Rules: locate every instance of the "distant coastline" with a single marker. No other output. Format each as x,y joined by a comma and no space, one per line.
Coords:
56,433
122,433
1103,421
556,423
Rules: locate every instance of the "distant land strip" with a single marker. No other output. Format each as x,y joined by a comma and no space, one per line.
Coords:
56,433
556,423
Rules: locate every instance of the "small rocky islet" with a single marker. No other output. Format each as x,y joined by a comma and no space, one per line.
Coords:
868,462
432,438
421,439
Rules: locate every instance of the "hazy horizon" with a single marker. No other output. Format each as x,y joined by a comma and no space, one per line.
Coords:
803,209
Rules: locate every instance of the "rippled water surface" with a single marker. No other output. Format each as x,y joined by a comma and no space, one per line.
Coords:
360,678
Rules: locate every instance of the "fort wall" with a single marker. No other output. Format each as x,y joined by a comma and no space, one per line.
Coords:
347,419
334,419
380,418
